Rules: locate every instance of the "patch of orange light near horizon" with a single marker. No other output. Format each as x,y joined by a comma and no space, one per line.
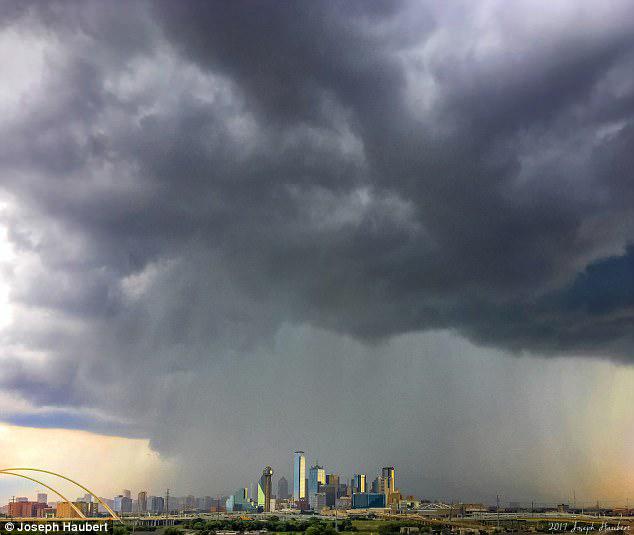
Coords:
104,464
611,433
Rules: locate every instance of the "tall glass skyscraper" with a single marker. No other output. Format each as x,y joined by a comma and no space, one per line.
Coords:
299,476
358,483
388,476
316,477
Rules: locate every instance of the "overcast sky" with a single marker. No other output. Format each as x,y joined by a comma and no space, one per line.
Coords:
381,232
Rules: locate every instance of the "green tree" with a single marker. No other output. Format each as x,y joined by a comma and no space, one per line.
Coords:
346,525
119,530
389,527
320,529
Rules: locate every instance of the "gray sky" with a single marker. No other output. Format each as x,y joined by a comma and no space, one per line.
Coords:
381,232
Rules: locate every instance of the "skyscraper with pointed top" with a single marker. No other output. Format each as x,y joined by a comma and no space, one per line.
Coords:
282,488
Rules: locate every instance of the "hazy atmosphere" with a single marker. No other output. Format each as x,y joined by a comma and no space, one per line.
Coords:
385,233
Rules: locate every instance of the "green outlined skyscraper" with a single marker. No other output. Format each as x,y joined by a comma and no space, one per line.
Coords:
264,489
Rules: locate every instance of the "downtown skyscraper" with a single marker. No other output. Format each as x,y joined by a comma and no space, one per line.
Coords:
358,483
264,489
389,478
316,477
142,502
282,488
299,476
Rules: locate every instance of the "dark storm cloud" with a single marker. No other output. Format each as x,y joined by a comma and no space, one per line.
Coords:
455,215
481,234
591,314
289,59
189,179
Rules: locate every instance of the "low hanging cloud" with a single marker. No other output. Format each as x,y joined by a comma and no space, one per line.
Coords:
183,180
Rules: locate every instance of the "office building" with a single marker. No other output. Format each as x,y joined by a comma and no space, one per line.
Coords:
379,485
316,478
282,489
331,492
368,500
264,489
358,484
190,503
42,497
65,510
388,476
88,508
206,503
317,501
238,501
101,509
126,493
219,504
141,503
394,498
299,476
332,479
26,509
156,505
122,504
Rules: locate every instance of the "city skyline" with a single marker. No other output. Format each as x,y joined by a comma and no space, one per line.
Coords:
392,233
147,501
180,501
332,504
